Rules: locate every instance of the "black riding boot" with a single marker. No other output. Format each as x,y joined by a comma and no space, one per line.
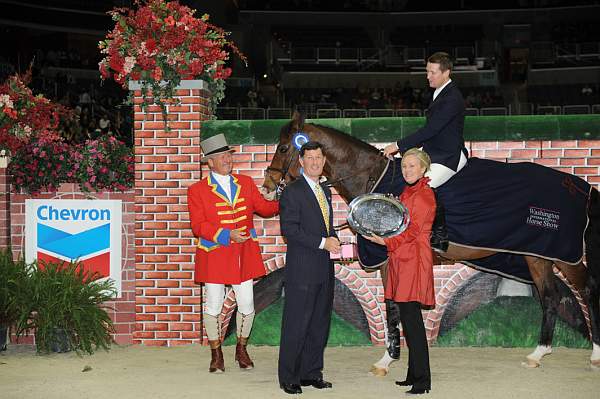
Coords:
439,234
393,319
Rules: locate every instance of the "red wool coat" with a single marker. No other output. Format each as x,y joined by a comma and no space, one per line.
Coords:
219,260
410,267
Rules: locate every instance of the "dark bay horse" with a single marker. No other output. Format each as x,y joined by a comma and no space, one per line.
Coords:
353,166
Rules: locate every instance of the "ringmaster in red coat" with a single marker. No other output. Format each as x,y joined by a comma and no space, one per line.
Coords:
410,271
222,208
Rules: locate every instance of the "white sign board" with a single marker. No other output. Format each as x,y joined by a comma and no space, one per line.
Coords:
88,231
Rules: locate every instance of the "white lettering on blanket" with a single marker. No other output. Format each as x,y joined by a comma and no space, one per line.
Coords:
544,218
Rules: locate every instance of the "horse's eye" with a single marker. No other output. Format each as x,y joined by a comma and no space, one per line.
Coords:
283,149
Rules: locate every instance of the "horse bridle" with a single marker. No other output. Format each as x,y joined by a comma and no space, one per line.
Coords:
285,171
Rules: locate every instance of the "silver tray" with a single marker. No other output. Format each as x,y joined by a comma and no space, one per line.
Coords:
376,213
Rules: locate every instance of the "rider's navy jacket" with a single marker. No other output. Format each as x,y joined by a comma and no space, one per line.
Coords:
442,135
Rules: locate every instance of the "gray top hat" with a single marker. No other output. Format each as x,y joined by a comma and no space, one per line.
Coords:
214,145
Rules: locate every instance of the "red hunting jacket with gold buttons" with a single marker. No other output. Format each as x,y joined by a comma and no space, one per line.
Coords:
219,260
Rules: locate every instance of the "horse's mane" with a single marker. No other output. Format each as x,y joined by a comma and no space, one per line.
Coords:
349,137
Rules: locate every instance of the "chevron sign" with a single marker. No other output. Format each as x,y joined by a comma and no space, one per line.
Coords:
88,231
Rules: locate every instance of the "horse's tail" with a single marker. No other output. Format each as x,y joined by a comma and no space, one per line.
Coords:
592,234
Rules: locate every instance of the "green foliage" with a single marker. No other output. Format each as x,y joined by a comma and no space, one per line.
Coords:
267,329
64,298
13,277
508,322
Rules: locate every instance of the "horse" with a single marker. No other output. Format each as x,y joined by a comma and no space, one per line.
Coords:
352,168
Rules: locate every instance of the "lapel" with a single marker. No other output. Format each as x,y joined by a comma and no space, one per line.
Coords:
219,192
443,93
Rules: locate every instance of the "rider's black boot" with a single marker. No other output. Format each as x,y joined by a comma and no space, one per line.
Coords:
393,320
439,234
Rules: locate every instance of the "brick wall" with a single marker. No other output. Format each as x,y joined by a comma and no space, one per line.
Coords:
167,162
4,208
122,309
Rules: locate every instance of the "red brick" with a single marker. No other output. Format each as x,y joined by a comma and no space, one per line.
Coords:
156,292
586,171
168,284
524,154
511,145
572,161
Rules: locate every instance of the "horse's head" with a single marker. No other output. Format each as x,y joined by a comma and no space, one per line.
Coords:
285,165
352,165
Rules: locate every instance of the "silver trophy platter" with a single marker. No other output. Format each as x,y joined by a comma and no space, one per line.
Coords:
379,214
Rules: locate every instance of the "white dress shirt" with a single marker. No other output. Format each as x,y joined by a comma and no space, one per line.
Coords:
439,89
224,182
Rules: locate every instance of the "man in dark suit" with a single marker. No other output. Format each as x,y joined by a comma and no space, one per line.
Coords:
306,218
441,137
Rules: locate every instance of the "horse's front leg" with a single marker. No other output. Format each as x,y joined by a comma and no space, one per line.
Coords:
545,282
392,353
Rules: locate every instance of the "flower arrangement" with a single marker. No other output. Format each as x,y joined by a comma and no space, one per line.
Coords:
161,43
41,160
105,164
23,115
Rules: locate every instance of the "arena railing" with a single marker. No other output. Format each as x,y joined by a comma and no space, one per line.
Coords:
548,110
577,109
493,111
596,109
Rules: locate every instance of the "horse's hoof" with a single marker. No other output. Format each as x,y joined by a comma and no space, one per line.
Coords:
378,371
531,363
595,365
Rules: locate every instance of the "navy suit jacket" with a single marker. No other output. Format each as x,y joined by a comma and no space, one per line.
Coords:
442,136
303,227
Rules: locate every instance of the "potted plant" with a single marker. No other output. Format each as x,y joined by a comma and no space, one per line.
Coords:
13,277
67,309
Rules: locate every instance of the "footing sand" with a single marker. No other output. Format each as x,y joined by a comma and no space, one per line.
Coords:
182,372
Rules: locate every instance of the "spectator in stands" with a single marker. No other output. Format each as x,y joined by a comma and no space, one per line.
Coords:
252,96
104,124
442,136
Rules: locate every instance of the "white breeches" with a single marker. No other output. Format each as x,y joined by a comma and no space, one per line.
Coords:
244,296
440,174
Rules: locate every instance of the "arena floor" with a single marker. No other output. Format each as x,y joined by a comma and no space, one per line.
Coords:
181,372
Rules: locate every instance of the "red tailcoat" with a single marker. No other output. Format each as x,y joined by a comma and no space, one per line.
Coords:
219,260
410,269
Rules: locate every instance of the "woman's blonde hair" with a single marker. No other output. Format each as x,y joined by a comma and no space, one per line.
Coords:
421,155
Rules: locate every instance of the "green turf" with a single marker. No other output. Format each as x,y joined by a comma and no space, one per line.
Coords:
267,329
508,322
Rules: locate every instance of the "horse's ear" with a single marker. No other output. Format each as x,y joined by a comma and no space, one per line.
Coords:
297,121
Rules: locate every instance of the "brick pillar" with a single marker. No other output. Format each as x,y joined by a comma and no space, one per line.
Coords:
4,205
167,163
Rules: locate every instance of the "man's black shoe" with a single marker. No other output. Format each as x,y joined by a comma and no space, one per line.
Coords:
319,384
292,389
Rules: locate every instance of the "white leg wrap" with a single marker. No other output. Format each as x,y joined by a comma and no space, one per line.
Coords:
595,353
534,358
382,366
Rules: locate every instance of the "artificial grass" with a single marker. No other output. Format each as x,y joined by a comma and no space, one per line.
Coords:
509,322
267,329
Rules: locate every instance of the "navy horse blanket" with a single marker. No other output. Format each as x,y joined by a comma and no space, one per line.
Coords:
514,208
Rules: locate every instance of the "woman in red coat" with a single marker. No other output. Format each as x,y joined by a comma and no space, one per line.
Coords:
410,270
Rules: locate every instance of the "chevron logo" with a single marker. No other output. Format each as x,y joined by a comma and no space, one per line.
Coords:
90,247
88,231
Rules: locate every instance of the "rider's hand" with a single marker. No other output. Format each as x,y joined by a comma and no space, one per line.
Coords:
332,245
238,235
390,150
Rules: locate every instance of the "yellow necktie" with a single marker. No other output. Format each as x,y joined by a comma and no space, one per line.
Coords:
323,205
